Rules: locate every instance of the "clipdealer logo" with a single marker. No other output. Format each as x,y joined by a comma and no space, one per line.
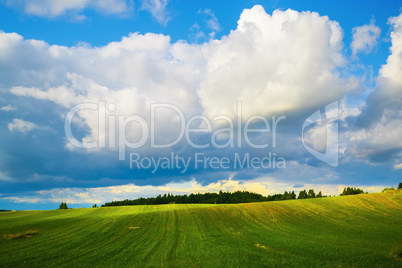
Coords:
114,136
237,136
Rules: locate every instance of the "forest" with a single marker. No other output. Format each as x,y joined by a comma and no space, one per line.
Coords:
215,198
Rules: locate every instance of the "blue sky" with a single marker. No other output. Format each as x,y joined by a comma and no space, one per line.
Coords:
275,58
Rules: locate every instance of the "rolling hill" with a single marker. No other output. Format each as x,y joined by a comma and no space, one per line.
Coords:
360,231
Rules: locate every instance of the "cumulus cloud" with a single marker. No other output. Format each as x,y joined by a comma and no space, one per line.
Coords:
365,38
381,118
274,64
21,125
158,9
257,64
393,69
131,74
52,9
382,139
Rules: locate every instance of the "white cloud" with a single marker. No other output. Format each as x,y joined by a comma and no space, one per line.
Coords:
8,108
258,64
197,34
274,64
21,125
158,9
212,21
132,74
393,69
51,9
365,38
398,166
16,199
381,136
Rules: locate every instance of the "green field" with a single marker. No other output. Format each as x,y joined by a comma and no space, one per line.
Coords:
347,231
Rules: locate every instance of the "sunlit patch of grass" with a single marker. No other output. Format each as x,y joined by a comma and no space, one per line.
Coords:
26,234
260,246
133,227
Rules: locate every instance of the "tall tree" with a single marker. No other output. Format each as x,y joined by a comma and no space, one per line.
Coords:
311,194
302,194
63,206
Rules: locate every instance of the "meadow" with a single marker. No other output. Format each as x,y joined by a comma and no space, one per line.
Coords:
346,231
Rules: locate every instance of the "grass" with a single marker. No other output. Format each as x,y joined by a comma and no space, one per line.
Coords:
396,251
25,234
349,231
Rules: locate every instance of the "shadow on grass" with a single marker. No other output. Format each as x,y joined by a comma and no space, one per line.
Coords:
396,251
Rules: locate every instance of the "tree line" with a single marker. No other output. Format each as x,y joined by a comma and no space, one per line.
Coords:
351,190
225,197
215,198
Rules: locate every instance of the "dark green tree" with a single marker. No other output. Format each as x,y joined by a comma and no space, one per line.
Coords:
302,194
311,194
351,191
319,195
63,206
400,186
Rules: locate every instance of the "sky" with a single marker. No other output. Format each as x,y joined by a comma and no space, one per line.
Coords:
104,100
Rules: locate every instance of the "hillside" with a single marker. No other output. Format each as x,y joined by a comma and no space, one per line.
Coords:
358,231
